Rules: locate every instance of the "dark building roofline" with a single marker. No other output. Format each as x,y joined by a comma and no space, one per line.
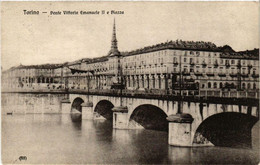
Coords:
178,45
226,52
42,66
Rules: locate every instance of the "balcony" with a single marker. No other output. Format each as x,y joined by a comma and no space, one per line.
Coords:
227,65
249,66
189,80
204,65
192,63
233,75
211,74
215,64
198,74
185,73
244,75
222,74
255,75
175,63
238,65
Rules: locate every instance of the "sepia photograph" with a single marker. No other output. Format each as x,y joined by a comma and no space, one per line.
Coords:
95,82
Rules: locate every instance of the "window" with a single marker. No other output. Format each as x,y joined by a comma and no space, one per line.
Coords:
233,70
215,85
248,86
243,86
209,85
185,70
254,86
220,85
184,59
227,62
244,70
232,85
232,61
203,60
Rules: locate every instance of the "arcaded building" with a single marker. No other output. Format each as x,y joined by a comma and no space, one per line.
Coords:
197,68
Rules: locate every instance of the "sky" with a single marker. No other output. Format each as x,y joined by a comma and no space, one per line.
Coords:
45,38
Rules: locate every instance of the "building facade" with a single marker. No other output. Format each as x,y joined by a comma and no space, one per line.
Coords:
32,77
192,68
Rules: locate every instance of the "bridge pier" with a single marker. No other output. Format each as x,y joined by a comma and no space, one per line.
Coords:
120,120
65,106
87,110
180,132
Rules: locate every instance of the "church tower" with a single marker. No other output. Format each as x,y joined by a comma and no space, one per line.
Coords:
115,60
114,50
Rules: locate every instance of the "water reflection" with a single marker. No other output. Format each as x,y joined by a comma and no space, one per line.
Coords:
179,155
103,130
150,146
76,117
211,155
76,120
66,139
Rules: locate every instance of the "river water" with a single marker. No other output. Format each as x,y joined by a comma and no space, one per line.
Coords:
62,138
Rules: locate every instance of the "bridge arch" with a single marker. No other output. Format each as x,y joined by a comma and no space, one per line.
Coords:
148,116
229,129
76,105
104,108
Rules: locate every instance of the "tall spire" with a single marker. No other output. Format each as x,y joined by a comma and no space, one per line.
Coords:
114,40
114,50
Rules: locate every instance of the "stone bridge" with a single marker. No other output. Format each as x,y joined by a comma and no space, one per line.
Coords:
209,124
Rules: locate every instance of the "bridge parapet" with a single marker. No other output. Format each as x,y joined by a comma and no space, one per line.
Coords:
216,96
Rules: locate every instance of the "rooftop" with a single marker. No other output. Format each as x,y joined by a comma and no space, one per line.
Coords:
178,44
226,52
